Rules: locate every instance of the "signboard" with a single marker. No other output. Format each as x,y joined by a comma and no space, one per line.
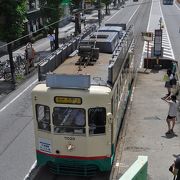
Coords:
148,36
67,100
158,42
45,145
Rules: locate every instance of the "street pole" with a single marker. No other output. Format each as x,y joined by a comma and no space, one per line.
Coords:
83,10
99,12
13,80
147,53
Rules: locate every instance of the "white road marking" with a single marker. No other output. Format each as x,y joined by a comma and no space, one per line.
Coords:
112,16
166,43
133,14
177,6
165,27
18,96
169,53
32,167
142,56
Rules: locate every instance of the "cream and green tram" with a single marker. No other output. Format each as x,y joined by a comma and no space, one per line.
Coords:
78,114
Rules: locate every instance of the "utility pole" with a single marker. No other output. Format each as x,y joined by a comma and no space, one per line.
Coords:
99,12
77,23
9,47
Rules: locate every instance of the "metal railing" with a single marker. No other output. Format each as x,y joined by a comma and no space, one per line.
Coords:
51,62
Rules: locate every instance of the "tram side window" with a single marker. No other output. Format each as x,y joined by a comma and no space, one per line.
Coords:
69,120
43,117
97,120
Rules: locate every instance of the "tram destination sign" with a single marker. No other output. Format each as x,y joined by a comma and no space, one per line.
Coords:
68,81
67,100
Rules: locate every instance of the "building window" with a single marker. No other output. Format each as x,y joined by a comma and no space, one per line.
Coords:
31,5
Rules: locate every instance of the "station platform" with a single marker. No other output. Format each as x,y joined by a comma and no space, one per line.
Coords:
145,127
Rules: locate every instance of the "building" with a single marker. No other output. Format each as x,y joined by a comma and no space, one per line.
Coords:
34,20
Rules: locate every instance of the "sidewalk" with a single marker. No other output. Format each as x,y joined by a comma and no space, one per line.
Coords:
145,128
145,121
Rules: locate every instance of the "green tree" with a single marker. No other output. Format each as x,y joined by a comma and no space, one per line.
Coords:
52,11
12,13
107,3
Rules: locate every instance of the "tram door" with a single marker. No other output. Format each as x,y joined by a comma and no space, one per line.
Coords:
100,126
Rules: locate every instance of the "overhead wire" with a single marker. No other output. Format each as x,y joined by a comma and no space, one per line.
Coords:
30,34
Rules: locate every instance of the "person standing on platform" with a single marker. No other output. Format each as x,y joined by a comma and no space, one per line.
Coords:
167,78
172,113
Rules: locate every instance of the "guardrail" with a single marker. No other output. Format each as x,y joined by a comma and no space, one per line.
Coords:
138,170
50,63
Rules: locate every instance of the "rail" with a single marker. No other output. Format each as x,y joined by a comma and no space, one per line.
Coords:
138,170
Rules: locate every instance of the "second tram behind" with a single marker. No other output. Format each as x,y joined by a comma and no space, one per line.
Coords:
79,110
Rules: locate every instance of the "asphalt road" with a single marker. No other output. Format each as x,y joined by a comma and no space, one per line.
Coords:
172,19
17,149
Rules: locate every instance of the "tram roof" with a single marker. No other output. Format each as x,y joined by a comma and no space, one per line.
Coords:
102,71
98,71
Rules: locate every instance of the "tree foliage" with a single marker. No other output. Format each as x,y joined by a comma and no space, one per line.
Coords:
12,13
51,10
107,3
75,5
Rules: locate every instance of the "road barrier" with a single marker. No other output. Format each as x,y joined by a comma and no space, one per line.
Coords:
51,62
138,170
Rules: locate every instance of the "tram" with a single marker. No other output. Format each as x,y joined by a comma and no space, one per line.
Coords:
78,110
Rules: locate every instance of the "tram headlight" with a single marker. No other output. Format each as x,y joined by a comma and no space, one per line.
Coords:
70,147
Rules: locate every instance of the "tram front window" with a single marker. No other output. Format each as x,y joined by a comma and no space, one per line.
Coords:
69,120
97,120
43,117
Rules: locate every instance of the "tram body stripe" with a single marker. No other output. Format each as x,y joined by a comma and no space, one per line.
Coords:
73,157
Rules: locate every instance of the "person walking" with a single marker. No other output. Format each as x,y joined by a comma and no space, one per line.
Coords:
51,39
171,118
